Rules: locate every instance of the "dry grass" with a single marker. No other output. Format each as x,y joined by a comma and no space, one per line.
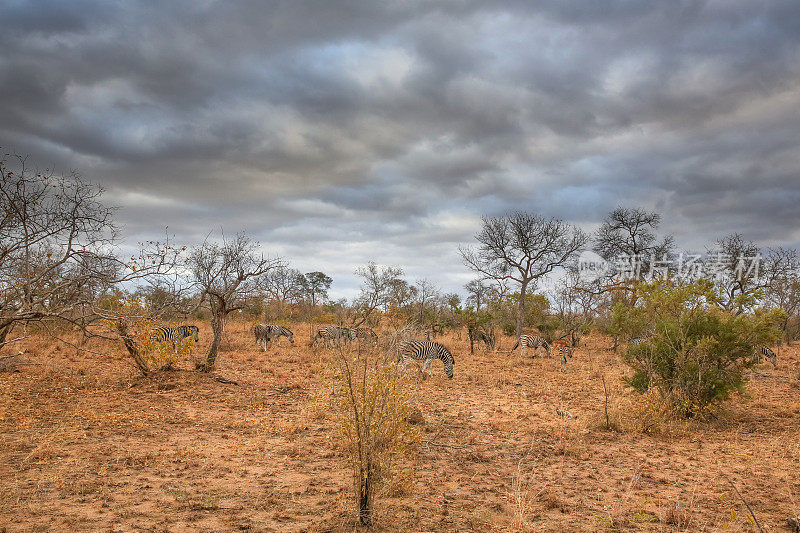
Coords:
89,445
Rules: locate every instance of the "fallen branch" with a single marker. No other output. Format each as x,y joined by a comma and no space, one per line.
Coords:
225,380
745,503
770,376
13,340
453,446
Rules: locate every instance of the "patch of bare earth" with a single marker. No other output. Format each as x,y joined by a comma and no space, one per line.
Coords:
508,444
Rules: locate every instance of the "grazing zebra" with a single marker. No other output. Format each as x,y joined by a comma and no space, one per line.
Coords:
487,338
425,351
478,335
563,350
264,333
168,334
765,353
334,335
531,341
367,334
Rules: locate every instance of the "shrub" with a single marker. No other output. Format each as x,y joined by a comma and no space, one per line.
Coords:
373,406
698,353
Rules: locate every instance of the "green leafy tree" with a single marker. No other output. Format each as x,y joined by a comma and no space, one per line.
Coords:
315,285
698,353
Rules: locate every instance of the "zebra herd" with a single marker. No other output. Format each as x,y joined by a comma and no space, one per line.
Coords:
563,349
425,351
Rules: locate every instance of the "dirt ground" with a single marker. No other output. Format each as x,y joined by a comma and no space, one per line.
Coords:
89,445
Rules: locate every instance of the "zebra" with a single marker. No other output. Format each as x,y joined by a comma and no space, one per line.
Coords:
425,351
170,334
486,338
765,353
264,333
564,350
367,334
334,335
531,341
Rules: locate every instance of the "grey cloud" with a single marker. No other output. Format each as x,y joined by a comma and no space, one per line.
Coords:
338,132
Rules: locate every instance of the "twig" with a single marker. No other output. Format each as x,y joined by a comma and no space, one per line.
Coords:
225,380
605,390
770,376
745,502
454,446
13,340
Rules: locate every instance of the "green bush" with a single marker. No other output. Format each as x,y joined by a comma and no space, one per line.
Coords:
698,354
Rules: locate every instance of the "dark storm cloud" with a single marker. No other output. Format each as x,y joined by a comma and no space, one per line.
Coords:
339,132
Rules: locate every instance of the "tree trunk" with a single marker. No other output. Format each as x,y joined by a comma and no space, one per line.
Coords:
123,330
218,328
3,334
521,308
471,335
365,494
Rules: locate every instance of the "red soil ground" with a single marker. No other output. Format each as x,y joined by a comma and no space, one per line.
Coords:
89,445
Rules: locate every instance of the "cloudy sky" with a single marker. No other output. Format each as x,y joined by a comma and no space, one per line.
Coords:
337,132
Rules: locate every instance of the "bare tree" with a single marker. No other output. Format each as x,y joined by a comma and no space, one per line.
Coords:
522,247
284,284
782,284
478,291
426,293
574,305
60,262
733,264
401,294
376,290
631,233
55,239
228,273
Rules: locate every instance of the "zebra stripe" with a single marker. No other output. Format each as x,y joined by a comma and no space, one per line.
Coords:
334,335
531,341
366,334
765,353
426,351
265,333
169,334
563,350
